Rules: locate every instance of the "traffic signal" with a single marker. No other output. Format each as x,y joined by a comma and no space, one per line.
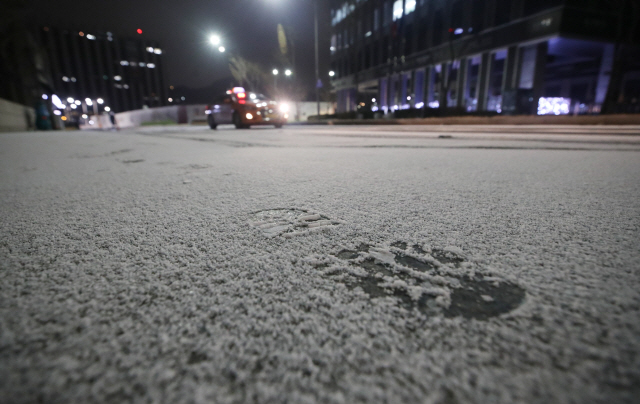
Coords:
139,31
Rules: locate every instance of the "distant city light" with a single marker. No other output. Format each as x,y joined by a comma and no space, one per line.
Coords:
150,49
45,97
434,104
288,72
332,73
420,105
275,72
373,100
182,98
57,112
332,49
73,79
139,31
458,31
107,109
554,106
56,101
78,102
70,100
65,79
222,49
85,116
170,99
64,118
142,64
126,86
117,78
74,106
215,40
100,101
91,122
151,65
88,101
91,37
157,51
124,63
81,33
252,96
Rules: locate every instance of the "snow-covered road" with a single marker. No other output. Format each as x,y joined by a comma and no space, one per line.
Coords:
387,264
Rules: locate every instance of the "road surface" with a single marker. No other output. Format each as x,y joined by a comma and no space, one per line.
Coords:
387,264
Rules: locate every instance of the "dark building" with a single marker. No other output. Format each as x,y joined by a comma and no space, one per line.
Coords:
507,56
120,73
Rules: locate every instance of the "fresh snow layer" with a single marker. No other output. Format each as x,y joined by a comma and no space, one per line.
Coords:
333,265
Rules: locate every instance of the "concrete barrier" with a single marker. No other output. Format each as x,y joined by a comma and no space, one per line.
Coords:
16,117
131,119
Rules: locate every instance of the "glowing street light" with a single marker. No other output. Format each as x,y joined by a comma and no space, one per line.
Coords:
215,40
275,72
100,101
332,73
222,49
288,72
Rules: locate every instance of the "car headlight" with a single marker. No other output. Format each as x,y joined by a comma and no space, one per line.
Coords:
284,108
249,115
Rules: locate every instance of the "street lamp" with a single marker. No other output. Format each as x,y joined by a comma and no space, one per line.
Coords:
318,82
288,72
215,40
332,73
222,49
275,81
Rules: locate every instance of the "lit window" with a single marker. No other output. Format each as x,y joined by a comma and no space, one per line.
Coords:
397,10
410,6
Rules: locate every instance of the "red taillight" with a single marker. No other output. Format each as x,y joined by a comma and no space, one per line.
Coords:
207,108
242,95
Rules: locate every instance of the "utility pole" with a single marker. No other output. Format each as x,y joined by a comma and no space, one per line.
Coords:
315,4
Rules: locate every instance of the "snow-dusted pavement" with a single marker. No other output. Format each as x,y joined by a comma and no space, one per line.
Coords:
441,265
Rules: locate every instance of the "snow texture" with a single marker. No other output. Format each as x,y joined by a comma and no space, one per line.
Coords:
320,265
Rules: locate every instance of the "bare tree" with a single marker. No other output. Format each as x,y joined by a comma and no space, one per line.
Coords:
247,73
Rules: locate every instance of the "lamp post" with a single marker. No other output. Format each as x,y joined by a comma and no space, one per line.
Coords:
275,81
315,9
317,52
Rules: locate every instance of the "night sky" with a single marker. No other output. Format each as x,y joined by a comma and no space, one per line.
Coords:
183,26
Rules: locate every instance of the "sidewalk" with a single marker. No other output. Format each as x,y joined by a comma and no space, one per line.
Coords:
626,119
